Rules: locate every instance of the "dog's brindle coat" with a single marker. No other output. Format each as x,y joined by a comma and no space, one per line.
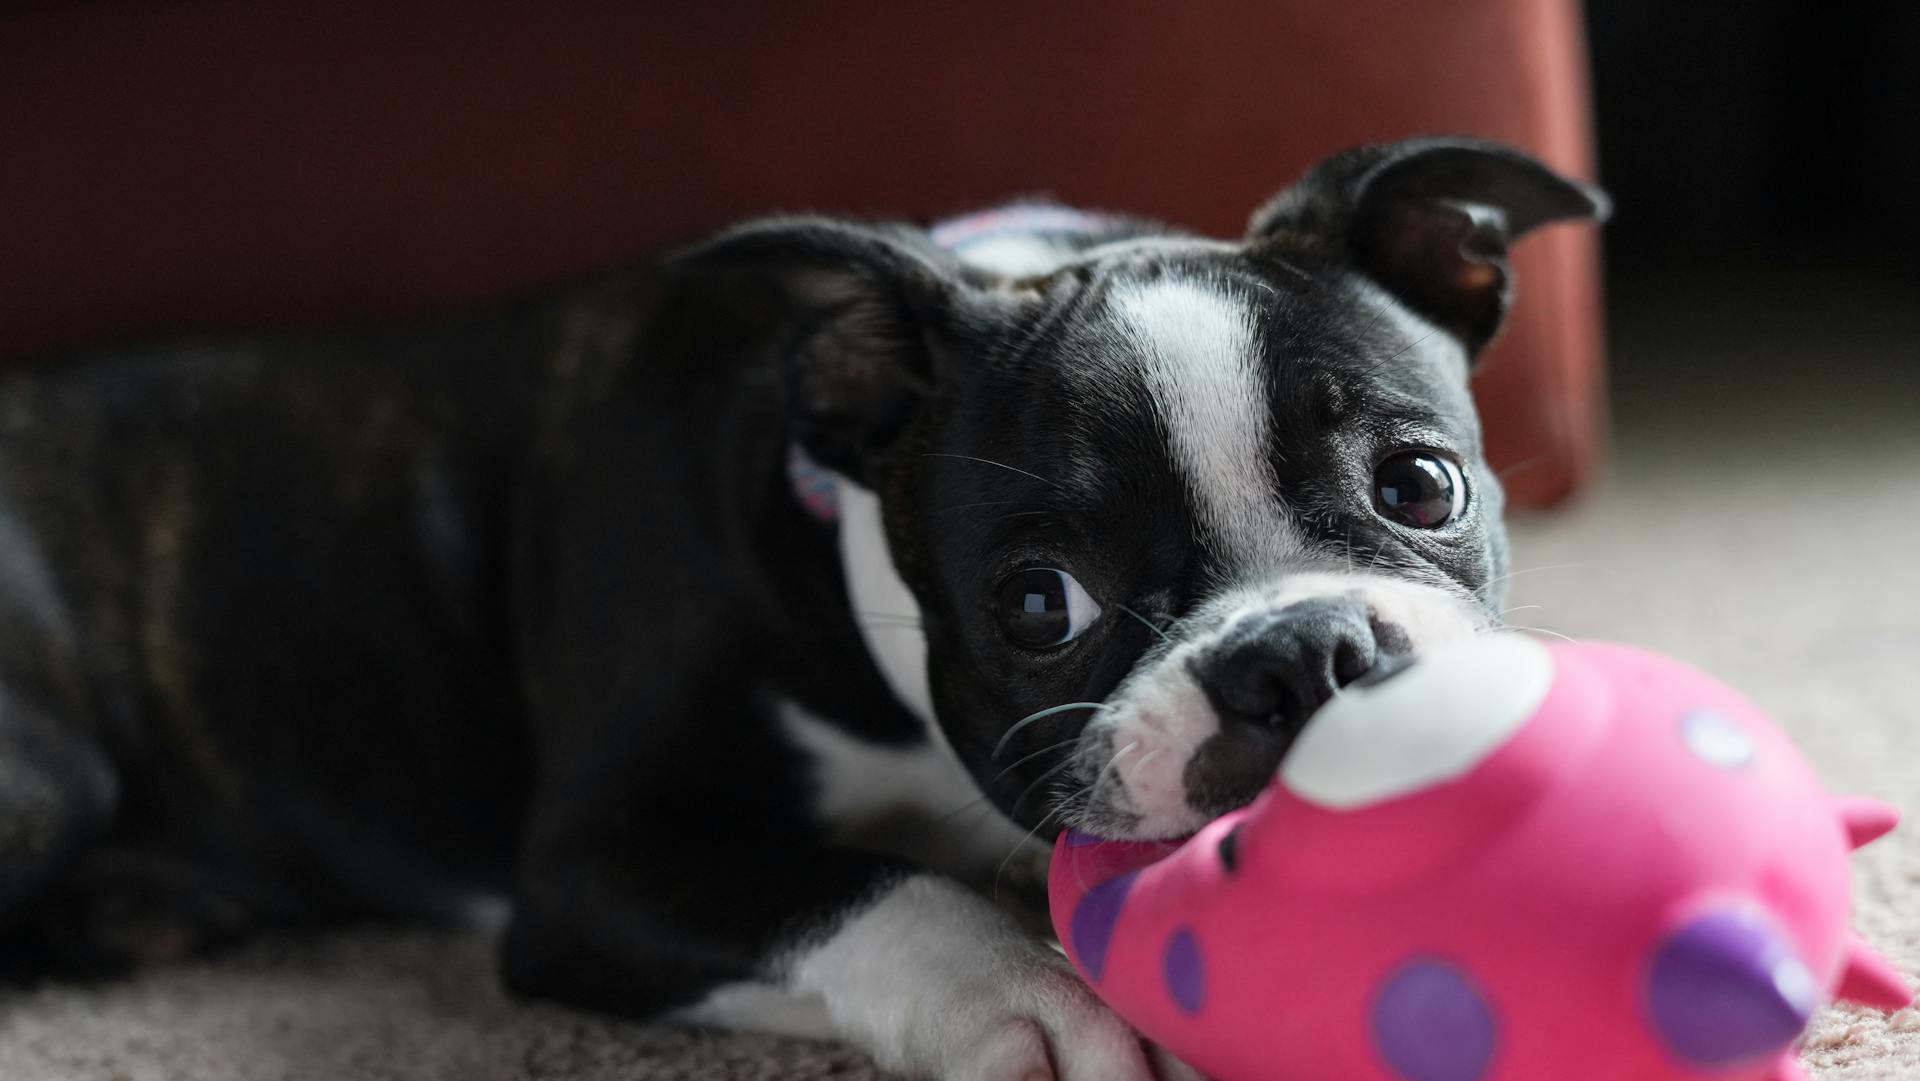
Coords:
524,605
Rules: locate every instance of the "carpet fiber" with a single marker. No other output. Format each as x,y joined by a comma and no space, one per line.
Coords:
1757,521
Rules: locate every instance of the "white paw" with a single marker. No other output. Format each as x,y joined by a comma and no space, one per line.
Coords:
936,983
1036,1022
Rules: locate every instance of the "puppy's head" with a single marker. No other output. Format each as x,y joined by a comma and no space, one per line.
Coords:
1155,500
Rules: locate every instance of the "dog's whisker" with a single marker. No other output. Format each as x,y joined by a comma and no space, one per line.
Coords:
1059,806
1001,871
1037,782
1034,718
927,829
1023,514
1531,630
1148,623
1071,802
1378,368
1080,798
958,811
1018,762
1114,762
1491,582
991,462
1375,561
1379,311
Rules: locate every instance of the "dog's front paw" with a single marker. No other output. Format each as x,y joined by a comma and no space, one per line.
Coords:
1029,1019
936,983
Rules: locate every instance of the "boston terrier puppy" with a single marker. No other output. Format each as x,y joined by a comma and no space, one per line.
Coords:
752,623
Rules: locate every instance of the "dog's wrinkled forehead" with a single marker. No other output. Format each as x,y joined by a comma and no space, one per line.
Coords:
1234,383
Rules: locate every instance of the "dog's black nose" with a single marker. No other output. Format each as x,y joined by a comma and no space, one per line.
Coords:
1275,669
1264,679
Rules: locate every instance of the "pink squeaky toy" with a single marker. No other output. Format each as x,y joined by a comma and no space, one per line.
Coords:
1509,862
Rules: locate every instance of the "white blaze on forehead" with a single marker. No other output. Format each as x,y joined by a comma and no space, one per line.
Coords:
1198,347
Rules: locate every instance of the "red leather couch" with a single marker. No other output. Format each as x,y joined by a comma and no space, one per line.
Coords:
173,165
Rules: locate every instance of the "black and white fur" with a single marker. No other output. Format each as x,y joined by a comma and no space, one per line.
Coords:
527,605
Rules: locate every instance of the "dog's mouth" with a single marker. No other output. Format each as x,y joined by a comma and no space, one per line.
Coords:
1204,724
1222,774
1411,727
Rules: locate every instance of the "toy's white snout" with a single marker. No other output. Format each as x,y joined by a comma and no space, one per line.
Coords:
1430,724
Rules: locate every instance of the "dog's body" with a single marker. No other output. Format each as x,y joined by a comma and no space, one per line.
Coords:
537,605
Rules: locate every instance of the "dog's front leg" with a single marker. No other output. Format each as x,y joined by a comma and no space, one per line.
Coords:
933,980
750,923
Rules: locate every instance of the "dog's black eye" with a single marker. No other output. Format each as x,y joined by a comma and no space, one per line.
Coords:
1041,607
1419,488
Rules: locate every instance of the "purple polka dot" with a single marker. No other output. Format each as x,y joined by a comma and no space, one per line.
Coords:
1726,989
1093,923
1431,1024
1185,971
1077,839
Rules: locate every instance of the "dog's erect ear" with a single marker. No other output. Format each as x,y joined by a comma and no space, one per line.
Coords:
862,309
1429,219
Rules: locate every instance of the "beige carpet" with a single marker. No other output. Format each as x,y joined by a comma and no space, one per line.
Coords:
1759,521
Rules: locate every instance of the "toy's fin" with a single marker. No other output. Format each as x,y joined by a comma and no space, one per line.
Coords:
1867,820
1871,981
1787,1070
